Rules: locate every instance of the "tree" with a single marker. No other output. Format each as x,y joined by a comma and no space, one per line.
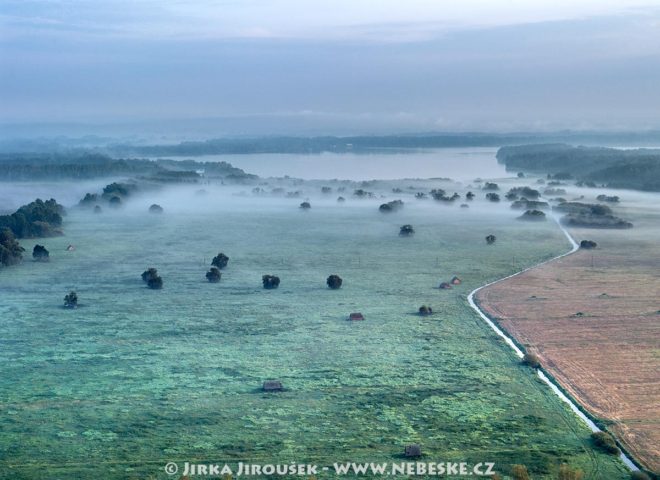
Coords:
270,281
425,310
469,196
392,206
71,300
491,186
213,275
11,252
334,282
155,208
155,283
493,197
149,274
220,260
305,205
40,253
490,239
406,230
519,472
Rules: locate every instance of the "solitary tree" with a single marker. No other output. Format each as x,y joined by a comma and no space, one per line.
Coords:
220,261
270,281
71,300
155,208
334,282
213,275
425,310
406,230
305,205
40,254
490,239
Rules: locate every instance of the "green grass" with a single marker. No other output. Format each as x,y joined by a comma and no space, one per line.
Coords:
135,378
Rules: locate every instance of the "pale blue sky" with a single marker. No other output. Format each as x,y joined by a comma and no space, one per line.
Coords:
353,65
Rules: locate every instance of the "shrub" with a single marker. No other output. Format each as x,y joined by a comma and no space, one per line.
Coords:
568,473
531,360
425,310
639,475
519,472
71,300
334,282
220,260
605,442
588,244
213,275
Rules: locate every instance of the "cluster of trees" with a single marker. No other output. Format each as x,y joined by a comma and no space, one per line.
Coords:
492,197
636,169
11,253
441,196
36,219
589,215
524,204
533,216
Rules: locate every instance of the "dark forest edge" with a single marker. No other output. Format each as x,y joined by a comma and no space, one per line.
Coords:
637,169
86,165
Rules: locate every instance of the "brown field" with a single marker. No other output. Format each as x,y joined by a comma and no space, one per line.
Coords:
594,320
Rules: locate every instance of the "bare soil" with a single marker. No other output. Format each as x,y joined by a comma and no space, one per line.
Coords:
594,320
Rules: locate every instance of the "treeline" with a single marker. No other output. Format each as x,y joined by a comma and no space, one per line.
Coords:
637,169
365,143
86,165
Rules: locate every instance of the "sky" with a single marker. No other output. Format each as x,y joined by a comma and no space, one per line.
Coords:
343,67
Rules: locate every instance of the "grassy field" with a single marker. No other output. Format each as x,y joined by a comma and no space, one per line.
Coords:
594,319
136,378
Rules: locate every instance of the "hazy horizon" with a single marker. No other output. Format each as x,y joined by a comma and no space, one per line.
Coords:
219,68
